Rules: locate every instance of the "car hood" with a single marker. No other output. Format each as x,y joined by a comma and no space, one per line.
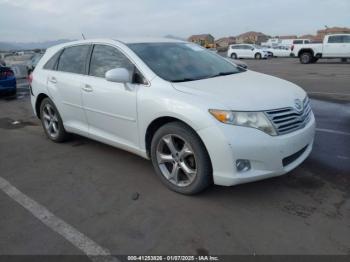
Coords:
246,91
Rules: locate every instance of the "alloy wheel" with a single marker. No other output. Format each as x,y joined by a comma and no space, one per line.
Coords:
305,58
176,160
50,119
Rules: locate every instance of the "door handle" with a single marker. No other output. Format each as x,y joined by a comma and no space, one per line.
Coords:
53,80
88,88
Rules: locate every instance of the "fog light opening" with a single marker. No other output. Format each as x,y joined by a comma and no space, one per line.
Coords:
243,165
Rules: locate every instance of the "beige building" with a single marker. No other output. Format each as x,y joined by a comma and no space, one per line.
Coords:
205,40
224,42
285,37
330,31
308,36
252,38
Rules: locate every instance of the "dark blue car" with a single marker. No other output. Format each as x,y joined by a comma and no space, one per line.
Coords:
7,81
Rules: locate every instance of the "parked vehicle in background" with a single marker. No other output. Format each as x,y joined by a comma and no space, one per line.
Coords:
333,46
298,42
281,51
301,41
246,51
268,49
31,64
197,116
8,83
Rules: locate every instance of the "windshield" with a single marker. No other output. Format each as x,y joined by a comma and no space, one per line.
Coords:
180,62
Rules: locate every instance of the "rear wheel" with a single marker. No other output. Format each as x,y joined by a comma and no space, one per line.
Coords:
314,60
306,58
52,122
180,159
13,93
258,56
234,56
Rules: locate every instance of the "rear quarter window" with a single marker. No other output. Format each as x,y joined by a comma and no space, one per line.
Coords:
52,63
73,59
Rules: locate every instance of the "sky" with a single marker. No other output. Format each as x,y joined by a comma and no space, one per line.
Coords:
42,20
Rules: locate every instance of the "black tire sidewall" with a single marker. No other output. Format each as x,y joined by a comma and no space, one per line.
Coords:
204,170
62,134
258,56
309,58
234,56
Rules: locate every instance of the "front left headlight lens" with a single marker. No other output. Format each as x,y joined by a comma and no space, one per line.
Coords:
256,120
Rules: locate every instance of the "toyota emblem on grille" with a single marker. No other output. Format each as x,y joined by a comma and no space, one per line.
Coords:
298,105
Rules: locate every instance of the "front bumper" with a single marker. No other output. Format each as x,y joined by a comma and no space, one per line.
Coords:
269,156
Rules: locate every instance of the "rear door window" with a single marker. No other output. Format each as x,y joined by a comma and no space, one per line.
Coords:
73,59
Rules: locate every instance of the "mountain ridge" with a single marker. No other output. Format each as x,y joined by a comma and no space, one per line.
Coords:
9,46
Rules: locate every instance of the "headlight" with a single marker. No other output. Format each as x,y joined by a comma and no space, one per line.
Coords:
256,120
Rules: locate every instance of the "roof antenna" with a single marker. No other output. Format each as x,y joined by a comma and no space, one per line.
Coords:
82,34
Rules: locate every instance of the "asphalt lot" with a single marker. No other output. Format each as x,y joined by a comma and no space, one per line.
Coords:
92,186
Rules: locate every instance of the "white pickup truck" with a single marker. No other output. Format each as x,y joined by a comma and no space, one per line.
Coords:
333,46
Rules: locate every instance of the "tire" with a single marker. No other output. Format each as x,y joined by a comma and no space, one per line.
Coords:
258,56
344,60
234,56
314,60
306,58
13,93
184,169
52,122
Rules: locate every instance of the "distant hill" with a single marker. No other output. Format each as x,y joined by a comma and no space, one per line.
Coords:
8,46
175,37
4,46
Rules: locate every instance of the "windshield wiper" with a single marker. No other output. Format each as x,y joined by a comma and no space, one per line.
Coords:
224,74
183,80
194,79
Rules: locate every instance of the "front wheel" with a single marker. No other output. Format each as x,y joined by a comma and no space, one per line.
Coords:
52,122
180,159
258,56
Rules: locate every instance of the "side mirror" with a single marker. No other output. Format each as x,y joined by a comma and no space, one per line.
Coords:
118,75
252,49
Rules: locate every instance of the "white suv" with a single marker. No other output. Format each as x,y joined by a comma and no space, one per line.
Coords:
196,115
247,51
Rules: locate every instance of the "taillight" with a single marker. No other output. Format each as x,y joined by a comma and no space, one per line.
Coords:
9,73
30,78
6,73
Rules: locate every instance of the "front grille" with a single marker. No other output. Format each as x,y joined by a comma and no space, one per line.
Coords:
290,159
287,120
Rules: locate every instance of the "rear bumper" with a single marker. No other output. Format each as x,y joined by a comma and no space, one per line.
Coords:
8,86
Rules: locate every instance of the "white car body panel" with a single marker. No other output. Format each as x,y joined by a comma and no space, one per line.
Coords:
326,49
246,53
281,52
119,114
